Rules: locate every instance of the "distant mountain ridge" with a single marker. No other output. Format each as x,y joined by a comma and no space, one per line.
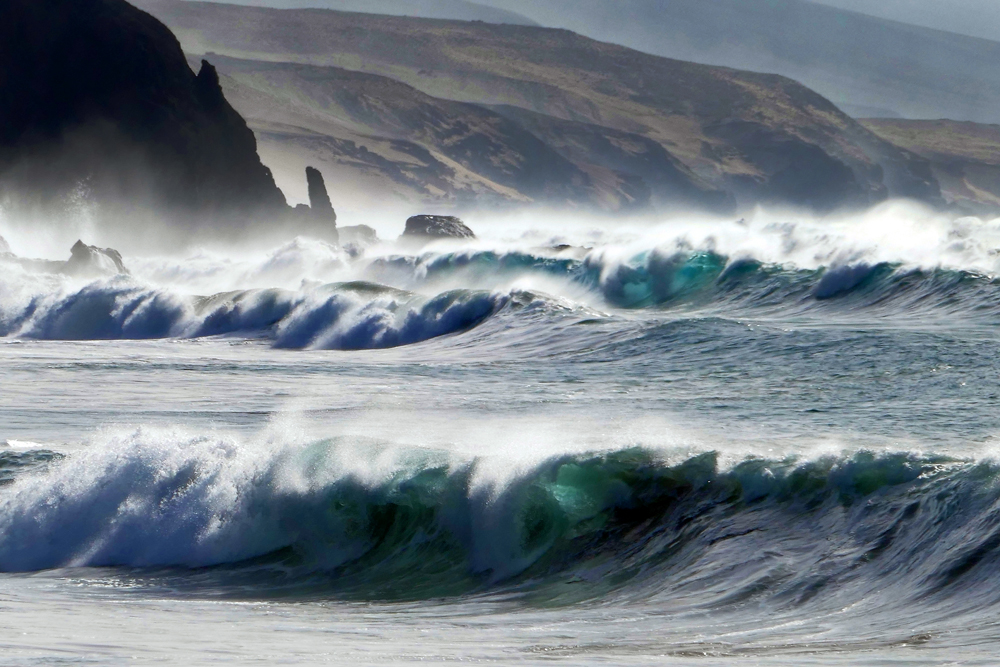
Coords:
964,157
975,18
759,137
460,10
466,153
865,65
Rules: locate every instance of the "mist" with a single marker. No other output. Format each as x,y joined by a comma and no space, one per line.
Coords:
977,18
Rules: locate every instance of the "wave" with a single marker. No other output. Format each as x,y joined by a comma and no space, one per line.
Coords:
367,315
672,278
369,520
343,316
941,273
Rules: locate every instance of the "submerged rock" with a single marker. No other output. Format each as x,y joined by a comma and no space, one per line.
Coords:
87,260
437,227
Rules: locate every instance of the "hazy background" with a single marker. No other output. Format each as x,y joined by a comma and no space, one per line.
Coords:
978,18
894,61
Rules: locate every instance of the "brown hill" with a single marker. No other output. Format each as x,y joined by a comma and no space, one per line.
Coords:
964,157
422,147
761,137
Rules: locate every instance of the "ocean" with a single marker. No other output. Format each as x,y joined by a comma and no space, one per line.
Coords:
694,442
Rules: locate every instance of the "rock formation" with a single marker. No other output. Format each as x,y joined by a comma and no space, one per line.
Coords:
4,247
437,227
91,261
319,213
85,261
319,200
97,101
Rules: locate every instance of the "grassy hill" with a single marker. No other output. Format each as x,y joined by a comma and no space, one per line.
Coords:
418,146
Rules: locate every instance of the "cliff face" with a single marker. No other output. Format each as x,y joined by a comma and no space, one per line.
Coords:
97,101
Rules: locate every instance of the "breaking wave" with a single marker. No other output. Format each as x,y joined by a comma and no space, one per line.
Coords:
369,315
309,294
345,316
671,278
365,519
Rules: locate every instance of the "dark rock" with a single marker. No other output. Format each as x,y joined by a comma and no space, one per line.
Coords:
360,235
319,215
319,200
91,261
97,96
437,227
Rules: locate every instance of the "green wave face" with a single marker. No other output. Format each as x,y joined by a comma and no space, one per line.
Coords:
571,529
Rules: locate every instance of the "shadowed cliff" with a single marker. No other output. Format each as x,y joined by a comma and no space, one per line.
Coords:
100,109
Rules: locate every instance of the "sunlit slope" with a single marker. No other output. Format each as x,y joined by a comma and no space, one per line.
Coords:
425,148
760,137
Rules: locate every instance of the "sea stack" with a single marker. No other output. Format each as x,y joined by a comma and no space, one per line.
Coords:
320,206
319,199
91,261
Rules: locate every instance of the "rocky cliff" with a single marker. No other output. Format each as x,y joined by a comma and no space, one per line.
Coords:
98,103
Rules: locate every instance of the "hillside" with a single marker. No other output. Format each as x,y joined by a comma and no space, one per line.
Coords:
423,148
760,137
965,157
868,66
461,10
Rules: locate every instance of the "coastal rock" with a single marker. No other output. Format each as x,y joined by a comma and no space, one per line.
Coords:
91,261
319,199
436,227
319,215
105,97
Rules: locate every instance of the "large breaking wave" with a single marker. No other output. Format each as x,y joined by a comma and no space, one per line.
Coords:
366,519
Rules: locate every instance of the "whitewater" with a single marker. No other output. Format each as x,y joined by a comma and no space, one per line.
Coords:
771,441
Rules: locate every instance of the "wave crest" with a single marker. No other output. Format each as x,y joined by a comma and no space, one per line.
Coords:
350,518
350,316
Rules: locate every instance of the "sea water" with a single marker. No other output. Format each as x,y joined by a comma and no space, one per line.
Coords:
711,443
